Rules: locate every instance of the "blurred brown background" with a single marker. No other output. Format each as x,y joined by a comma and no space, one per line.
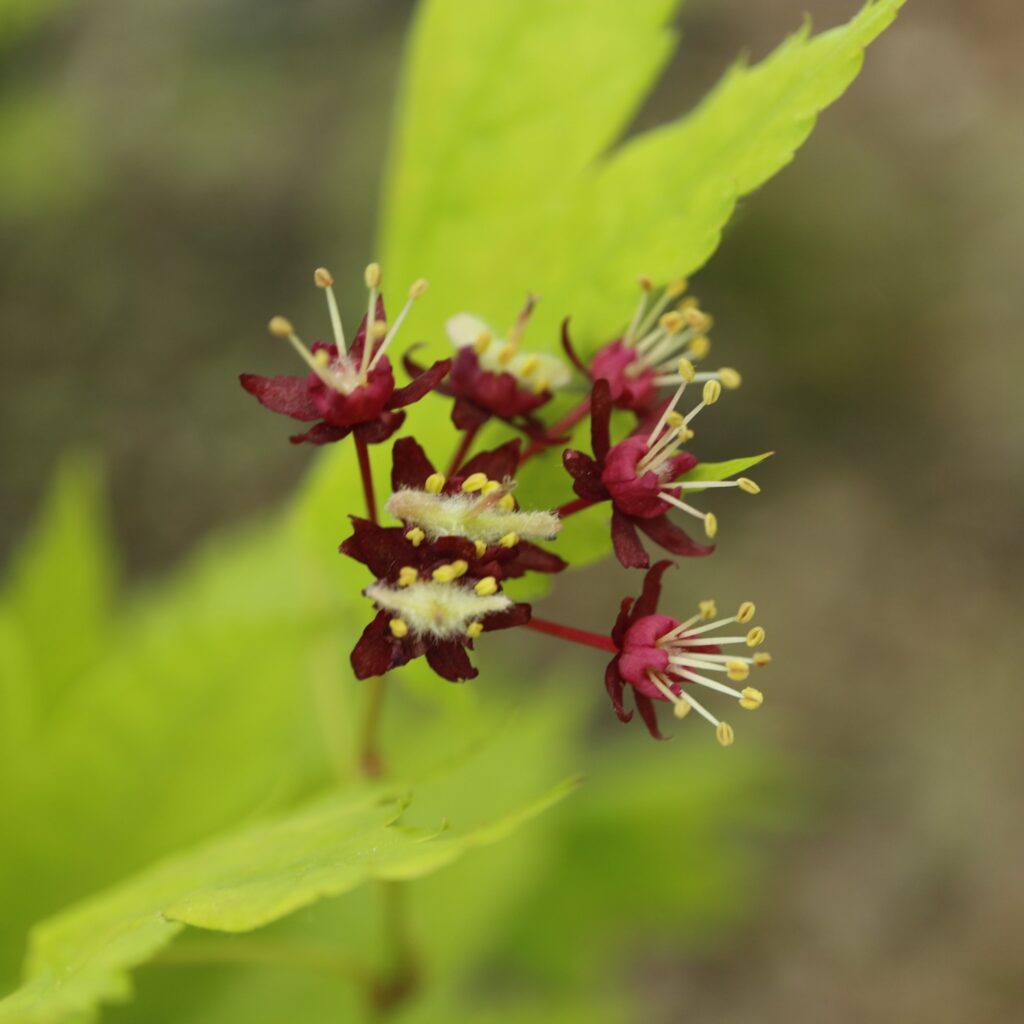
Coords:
197,157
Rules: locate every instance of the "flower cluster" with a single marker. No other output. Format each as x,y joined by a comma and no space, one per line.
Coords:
456,537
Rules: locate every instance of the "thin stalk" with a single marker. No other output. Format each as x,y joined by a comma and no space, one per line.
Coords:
468,437
371,762
366,472
567,422
572,507
576,636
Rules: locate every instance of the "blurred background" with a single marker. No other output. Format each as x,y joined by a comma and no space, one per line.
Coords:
170,172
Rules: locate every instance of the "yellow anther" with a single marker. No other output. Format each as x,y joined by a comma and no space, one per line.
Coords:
407,575
755,637
746,612
378,330
460,567
687,370
474,482
730,378
699,320
435,483
372,275
281,327
507,354
710,524
708,610
690,302
688,434
737,670
700,347
762,658
323,277
490,487
672,321
541,385
481,548
646,284
418,287
724,734
676,288
530,365
751,699
322,358
398,628
507,503
445,573
510,540
681,709
474,629
416,536
486,586
747,486
483,342
674,420
712,392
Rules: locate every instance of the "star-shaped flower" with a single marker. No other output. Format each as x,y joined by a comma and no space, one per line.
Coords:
349,389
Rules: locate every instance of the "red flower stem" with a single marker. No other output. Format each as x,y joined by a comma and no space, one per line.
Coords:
371,763
468,437
367,474
567,422
571,507
576,636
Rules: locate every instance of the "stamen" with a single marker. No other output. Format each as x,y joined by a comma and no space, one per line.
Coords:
762,658
516,330
474,629
325,279
507,503
416,536
662,684
483,342
755,637
709,518
481,548
486,586
474,482
490,487
724,734
711,684
435,483
672,291
372,278
748,486
746,612
281,327
445,573
398,628
751,699
686,373
645,289
407,575
415,291
510,540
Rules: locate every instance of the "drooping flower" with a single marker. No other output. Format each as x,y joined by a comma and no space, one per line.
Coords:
349,389
663,659
644,476
645,358
493,376
438,576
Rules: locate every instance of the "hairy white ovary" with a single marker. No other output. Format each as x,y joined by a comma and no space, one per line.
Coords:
440,610
469,515
536,370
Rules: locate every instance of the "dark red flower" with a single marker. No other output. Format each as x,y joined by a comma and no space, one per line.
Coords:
436,592
635,476
494,377
643,360
663,659
349,389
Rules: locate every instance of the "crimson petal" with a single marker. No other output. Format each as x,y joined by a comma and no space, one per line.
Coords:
410,466
622,621
672,538
382,549
628,549
288,395
322,433
372,654
586,475
380,429
570,351
648,713
421,385
450,661
517,615
531,558
467,416
613,684
497,464
647,602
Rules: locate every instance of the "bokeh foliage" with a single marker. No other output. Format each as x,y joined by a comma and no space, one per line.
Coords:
216,698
